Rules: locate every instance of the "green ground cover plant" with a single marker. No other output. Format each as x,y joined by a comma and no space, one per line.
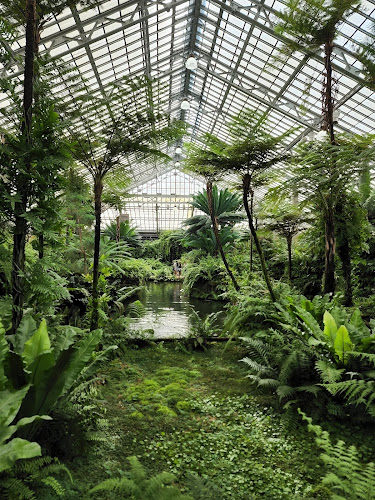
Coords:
191,415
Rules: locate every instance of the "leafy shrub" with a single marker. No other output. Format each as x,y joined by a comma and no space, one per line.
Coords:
11,400
201,330
327,370
206,279
49,372
139,271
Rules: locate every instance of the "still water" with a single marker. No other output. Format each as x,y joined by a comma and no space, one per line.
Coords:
168,310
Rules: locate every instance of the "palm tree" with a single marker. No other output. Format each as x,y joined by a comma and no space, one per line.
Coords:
313,25
136,128
123,232
205,239
205,162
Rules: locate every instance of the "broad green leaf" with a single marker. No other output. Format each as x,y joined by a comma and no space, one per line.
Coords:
7,432
24,332
313,341
15,450
343,344
330,327
309,322
357,322
39,368
38,343
10,402
65,339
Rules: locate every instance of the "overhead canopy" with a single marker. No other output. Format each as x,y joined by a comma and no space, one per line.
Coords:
234,44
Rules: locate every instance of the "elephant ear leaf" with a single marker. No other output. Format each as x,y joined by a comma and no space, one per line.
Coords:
330,327
38,344
343,345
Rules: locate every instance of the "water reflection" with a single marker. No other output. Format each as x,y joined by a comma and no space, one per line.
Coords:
168,309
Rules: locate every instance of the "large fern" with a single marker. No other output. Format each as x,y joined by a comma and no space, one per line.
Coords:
29,478
346,477
136,486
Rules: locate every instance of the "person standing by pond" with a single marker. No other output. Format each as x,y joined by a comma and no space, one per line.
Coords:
175,268
179,269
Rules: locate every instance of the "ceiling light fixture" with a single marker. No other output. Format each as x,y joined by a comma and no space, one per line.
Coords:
178,151
185,105
177,164
191,63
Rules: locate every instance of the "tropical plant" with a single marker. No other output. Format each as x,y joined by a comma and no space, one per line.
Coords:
13,448
347,478
123,232
48,372
204,239
203,161
136,485
313,25
138,128
299,359
29,479
324,174
286,220
200,331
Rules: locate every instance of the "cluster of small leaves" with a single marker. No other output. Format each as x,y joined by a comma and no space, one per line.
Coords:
240,448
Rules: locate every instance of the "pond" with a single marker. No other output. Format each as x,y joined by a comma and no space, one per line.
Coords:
168,310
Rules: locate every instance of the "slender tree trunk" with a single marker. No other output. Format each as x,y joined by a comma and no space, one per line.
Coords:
344,253
118,228
20,224
251,236
327,92
98,189
289,243
41,246
330,249
330,238
246,190
216,233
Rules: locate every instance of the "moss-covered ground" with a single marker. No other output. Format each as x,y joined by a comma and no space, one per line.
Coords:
194,413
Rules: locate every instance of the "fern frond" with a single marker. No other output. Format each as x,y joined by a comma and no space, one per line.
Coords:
328,372
355,391
16,488
123,485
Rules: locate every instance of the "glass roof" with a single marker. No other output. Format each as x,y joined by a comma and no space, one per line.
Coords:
234,44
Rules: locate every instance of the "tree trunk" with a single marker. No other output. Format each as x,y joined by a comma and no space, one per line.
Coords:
344,253
245,193
330,238
289,243
98,189
251,236
216,233
20,224
330,249
327,92
41,246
